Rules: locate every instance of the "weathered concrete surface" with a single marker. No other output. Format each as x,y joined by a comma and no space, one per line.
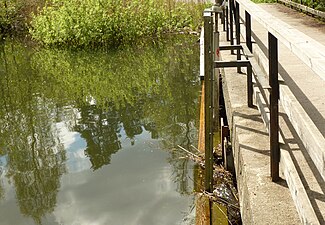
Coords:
262,201
304,47
302,173
302,96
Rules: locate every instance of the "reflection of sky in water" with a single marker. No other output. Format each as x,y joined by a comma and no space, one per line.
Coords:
135,189
75,146
2,165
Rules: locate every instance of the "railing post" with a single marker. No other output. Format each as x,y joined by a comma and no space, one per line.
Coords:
217,10
231,24
208,93
248,25
227,21
223,20
274,107
237,23
249,86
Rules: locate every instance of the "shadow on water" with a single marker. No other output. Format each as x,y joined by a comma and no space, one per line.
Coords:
67,114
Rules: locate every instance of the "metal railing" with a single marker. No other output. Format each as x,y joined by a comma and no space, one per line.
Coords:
233,12
308,52
212,64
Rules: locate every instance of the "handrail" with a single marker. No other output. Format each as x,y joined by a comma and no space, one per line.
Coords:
304,47
311,138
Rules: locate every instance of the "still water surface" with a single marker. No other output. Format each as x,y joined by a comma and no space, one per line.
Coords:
89,138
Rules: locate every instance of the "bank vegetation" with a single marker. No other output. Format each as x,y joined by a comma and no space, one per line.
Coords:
81,23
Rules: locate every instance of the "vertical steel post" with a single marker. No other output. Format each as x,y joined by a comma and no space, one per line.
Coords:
227,22
208,80
237,23
274,107
231,24
248,31
249,86
216,71
223,19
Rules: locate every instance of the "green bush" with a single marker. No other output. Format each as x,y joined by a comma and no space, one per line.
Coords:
8,14
110,22
316,4
15,15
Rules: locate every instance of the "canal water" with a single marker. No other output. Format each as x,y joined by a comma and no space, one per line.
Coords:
90,137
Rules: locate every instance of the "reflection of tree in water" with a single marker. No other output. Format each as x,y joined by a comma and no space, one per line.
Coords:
131,117
35,163
101,130
35,156
174,109
158,83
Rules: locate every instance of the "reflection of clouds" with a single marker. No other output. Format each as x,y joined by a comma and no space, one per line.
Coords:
163,182
135,189
66,137
3,164
75,146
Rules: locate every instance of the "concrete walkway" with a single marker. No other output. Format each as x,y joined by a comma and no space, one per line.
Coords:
306,86
301,193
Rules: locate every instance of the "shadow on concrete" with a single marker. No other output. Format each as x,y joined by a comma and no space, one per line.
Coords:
307,105
312,195
255,117
260,151
251,130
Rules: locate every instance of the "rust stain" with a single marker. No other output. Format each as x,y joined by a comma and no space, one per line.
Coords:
201,144
202,210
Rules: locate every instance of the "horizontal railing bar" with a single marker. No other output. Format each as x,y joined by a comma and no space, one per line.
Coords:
227,64
230,47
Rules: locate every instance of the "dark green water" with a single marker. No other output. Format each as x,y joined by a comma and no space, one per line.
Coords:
89,138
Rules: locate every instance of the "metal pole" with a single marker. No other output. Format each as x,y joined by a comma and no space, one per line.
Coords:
249,86
237,23
223,19
248,31
227,22
231,11
217,11
208,80
274,107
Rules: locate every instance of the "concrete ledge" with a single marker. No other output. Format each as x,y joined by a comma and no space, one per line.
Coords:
261,201
299,195
289,172
304,47
311,137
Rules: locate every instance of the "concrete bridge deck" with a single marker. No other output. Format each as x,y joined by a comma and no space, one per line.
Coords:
299,198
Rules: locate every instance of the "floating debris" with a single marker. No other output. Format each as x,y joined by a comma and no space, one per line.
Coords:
224,191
